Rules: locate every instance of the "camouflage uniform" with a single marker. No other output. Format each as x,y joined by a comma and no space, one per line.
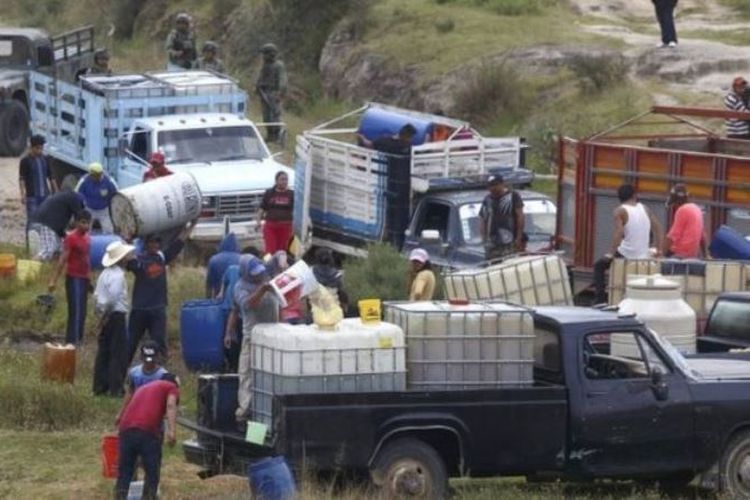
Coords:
216,65
271,86
177,40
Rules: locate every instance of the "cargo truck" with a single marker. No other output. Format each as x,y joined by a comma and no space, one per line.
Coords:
590,414
195,118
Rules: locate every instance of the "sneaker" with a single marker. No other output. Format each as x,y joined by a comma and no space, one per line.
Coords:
672,45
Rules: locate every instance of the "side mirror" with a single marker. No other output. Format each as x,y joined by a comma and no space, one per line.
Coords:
658,386
45,56
430,235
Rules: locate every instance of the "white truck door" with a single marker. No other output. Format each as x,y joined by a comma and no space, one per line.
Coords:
135,157
302,181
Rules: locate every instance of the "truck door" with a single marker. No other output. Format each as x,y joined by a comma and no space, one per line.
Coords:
135,158
432,229
628,424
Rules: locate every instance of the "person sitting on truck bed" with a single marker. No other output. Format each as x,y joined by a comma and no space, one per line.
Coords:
421,276
501,220
735,100
633,224
255,304
686,238
98,189
158,168
209,60
398,189
52,219
180,45
35,178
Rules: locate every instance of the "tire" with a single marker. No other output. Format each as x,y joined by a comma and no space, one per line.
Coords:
734,469
14,128
410,468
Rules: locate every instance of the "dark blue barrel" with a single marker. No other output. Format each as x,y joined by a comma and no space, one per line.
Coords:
377,122
98,248
271,479
729,244
202,335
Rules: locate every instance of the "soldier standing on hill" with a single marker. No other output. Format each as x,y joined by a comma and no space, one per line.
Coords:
209,59
180,45
271,87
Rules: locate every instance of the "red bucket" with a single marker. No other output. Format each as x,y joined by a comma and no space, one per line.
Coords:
110,444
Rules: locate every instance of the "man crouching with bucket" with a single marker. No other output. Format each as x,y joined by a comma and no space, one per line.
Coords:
256,304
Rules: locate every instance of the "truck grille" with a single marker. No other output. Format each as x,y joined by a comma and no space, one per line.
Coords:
243,205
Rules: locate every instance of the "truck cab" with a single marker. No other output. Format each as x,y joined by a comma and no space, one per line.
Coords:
225,154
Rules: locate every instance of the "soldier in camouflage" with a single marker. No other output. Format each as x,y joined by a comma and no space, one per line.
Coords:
208,59
180,45
100,67
271,87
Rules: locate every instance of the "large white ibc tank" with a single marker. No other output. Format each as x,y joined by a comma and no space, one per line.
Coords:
658,302
155,206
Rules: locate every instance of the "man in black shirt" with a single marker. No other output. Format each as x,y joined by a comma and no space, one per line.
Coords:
52,219
35,178
398,188
501,220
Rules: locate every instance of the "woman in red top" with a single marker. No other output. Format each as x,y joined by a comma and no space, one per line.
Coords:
276,210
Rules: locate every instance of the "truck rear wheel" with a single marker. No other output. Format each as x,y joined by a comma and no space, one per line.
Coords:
14,128
410,468
735,467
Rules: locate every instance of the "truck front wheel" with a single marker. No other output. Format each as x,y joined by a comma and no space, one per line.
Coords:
14,128
410,468
735,467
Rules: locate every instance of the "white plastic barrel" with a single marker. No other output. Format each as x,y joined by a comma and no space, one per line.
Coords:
156,206
658,302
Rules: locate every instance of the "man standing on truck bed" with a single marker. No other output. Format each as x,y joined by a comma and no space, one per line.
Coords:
686,238
52,219
35,178
633,224
271,87
98,189
180,45
501,220
735,101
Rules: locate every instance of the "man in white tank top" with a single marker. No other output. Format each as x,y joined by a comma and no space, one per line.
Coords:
633,224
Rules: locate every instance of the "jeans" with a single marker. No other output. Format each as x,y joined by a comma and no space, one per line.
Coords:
76,290
135,443
600,269
32,203
111,363
665,16
153,320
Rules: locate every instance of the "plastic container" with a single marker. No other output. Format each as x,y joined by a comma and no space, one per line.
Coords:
110,444
369,310
271,479
729,244
160,205
466,346
7,265
530,280
378,122
303,359
28,270
202,335
296,282
59,362
658,302
98,248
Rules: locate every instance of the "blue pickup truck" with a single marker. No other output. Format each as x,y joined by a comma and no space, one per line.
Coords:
651,416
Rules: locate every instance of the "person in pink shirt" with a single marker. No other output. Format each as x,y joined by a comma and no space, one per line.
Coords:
686,238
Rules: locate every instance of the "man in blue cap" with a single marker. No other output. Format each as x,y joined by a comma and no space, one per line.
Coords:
255,304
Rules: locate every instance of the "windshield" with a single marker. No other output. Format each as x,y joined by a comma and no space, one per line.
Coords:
675,355
206,145
729,319
14,52
540,219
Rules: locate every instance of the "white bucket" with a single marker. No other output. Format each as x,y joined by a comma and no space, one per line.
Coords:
155,206
296,282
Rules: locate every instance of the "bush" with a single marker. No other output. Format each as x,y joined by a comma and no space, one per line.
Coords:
598,73
508,7
445,25
382,275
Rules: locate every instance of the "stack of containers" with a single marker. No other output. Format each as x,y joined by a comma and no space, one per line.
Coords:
534,280
303,359
466,346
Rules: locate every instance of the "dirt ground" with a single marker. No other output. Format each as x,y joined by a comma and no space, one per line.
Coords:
12,212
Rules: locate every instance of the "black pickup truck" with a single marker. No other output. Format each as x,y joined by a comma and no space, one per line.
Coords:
596,410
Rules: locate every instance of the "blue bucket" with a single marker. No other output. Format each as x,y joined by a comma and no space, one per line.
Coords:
202,335
729,244
271,479
98,248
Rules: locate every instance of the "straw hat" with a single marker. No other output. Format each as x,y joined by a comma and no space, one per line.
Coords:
116,251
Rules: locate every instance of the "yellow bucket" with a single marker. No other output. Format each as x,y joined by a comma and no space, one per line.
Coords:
7,265
28,270
369,310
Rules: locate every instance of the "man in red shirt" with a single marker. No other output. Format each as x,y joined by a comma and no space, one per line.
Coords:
686,238
158,168
75,260
140,433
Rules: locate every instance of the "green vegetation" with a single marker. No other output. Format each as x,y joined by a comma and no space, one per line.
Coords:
383,275
741,6
508,7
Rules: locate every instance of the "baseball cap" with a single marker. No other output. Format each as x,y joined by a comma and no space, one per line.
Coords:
495,179
255,267
157,157
420,255
149,351
96,168
739,81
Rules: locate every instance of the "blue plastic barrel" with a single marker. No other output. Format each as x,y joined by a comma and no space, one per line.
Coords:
202,335
729,244
98,248
271,479
377,122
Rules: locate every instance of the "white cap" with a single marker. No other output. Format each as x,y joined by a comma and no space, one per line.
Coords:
420,255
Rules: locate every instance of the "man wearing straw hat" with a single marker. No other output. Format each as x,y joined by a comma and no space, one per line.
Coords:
111,299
